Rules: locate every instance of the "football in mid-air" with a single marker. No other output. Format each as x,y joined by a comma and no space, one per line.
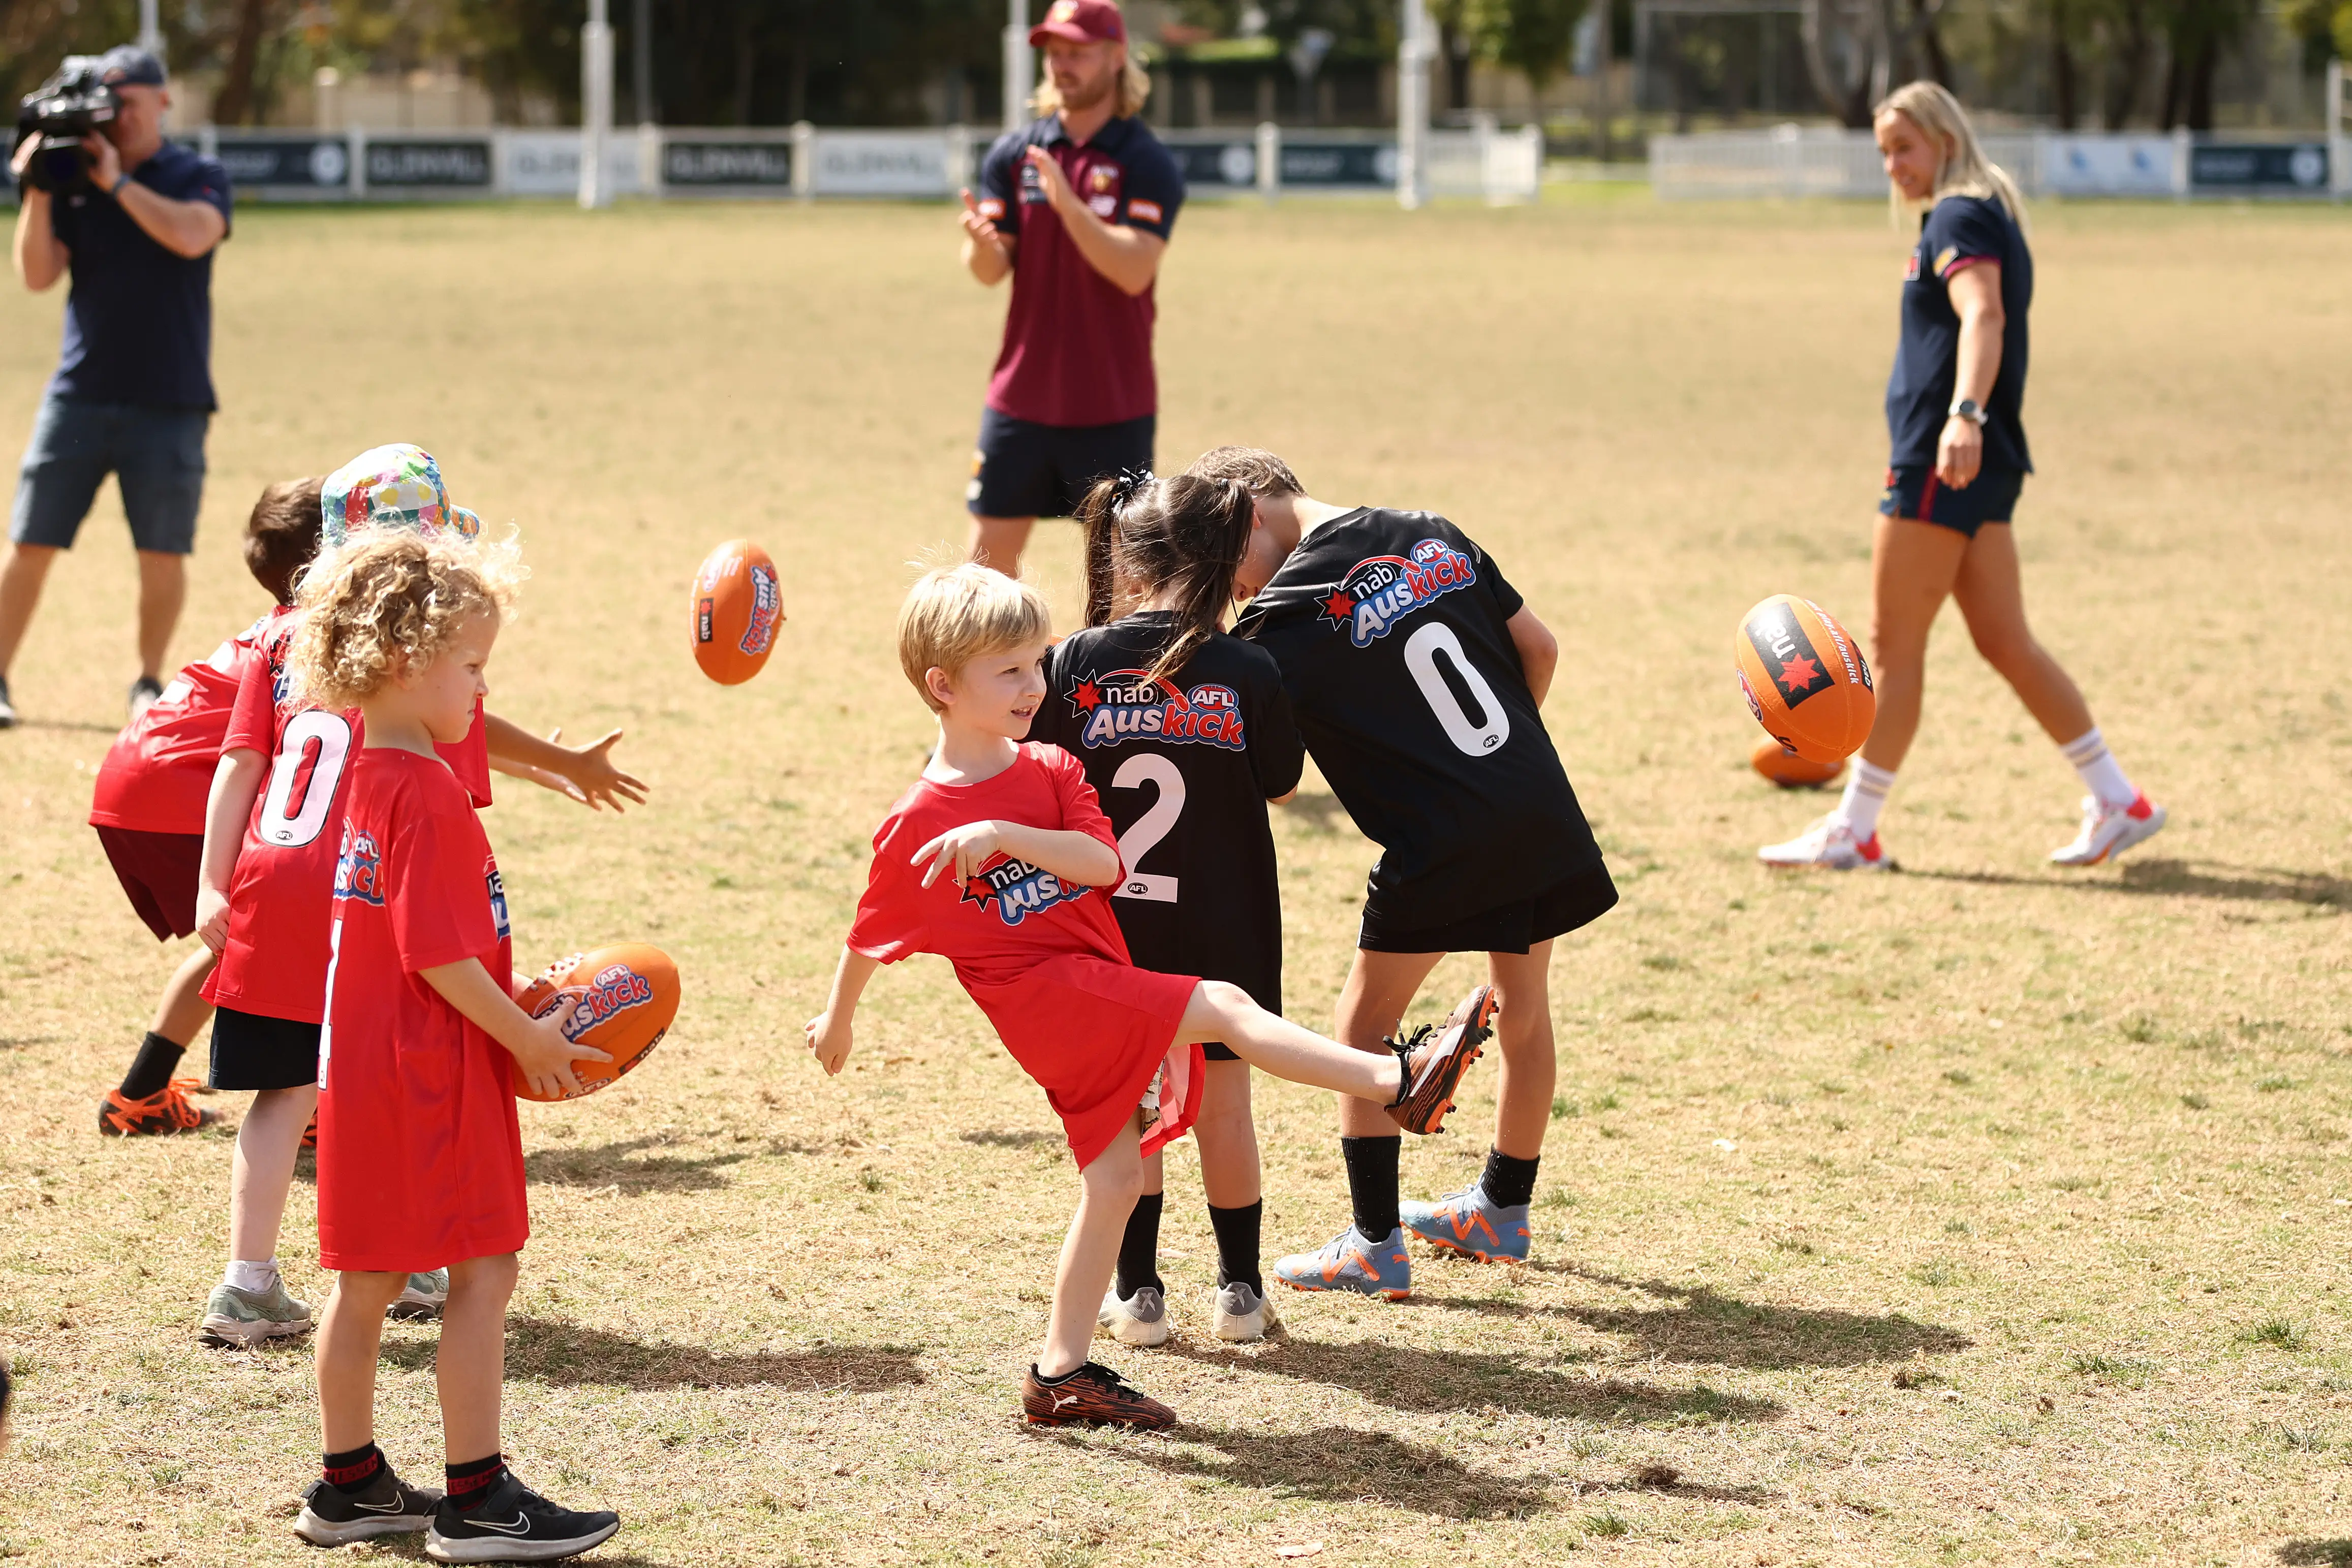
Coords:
738,607
621,1000
1804,679
1790,771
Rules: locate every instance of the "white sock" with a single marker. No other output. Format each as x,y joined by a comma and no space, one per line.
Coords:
248,1276
2101,774
1864,798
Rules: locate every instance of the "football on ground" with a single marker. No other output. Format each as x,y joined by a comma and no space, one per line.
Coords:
1805,680
1790,771
737,606
620,999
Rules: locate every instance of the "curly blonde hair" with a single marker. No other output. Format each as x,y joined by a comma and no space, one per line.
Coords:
388,596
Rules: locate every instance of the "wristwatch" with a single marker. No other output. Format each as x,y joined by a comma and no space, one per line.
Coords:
120,180
1968,408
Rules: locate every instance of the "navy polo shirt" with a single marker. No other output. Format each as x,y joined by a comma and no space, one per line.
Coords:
139,319
1961,232
1077,350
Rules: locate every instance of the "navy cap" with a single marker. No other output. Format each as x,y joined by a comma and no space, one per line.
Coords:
128,65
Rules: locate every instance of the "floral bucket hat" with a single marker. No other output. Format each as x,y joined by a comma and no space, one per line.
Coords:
395,487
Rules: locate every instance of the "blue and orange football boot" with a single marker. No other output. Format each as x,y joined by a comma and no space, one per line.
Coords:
1470,1223
1349,1262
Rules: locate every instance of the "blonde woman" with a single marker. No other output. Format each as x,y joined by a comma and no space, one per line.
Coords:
1953,408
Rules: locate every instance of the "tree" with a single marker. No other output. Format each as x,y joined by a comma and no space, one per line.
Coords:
1536,37
234,103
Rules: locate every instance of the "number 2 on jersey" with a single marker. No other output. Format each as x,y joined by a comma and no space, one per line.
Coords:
310,763
1145,768
1421,650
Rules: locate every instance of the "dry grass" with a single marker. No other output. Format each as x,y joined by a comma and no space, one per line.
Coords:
1976,1214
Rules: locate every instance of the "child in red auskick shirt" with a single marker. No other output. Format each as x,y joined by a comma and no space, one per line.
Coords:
420,1157
995,861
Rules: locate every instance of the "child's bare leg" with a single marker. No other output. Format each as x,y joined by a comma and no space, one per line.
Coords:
350,1336
1090,1251
182,1010
1380,987
263,1170
1523,1037
471,1371
1224,1012
1227,1134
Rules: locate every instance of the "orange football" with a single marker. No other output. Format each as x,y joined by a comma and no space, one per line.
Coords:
738,605
1804,679
620,999
1790,771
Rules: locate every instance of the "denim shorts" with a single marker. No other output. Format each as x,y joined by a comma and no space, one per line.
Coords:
156,455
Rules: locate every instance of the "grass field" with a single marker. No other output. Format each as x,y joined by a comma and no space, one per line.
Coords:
1977,1214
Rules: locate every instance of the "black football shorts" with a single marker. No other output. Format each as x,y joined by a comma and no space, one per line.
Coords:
1511,927
251,1050
1022,469
1915,492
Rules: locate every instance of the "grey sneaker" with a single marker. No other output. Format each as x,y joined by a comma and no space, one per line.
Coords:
1240,1315
422,1296
1140,1319
243,1319
7,708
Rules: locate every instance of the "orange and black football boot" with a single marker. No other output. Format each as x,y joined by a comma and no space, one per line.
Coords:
1093,1394
1435,1060
166,1111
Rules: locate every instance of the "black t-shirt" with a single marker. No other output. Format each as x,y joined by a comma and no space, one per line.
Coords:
1184,770
1960,231
139,319
1391,632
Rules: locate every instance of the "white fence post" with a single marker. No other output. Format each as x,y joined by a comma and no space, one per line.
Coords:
357,136
2339,146
1269,160
595,106
1414,53
958,161
1020,65
804,160
649,159
2180,160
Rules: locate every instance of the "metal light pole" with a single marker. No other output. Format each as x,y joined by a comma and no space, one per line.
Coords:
1020,65
641,51
151,28
596,105
1415,51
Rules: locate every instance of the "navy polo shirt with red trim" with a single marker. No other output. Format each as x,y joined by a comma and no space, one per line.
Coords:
1077,350
1961,232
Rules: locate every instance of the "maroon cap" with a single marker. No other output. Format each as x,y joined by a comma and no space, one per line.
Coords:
1080,22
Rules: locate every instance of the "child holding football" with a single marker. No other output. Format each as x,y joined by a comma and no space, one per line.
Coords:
993,861
1417,673
268,872
420,1157
1185,734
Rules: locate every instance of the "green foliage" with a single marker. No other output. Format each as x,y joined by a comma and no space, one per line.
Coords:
1535,37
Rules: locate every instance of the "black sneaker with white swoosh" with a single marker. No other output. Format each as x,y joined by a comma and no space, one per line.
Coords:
515,1524
389,1506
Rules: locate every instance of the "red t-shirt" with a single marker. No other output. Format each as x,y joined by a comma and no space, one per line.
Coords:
275,962
420,1155
1077,349
159,772
1045,961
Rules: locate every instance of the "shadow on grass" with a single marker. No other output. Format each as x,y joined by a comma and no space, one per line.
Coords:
1339,1464
546,1350
2316,1554
1704,1326
68,724
1405,1378
2172,878
1018,1138
1320,808
411,1548
610,1165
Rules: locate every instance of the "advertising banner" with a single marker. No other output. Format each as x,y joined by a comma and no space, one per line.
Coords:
455,163
2107,165
880,163
2258,168
312,163
547,162
1212,164
1334,165
712,162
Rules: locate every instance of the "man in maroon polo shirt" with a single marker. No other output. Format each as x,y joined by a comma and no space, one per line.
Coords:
1076,207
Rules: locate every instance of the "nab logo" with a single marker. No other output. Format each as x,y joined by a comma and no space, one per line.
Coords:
1383,590
359,869
767,610
1018,890
1789,657
1129,705
496,887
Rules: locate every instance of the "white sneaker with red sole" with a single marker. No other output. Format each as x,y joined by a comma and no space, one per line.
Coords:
1830,845
2109,830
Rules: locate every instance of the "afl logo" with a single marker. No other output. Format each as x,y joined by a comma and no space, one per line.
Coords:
1381,591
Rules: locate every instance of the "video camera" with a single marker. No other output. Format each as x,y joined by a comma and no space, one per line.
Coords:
61,112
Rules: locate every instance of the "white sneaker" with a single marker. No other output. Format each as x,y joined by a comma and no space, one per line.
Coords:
422,1296
2109,830
1140,1319
1830,845
1240,1315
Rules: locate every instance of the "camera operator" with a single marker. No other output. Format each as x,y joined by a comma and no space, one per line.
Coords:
132,393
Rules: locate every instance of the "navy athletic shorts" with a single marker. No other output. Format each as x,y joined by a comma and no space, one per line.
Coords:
1024,469
1514,927
1915,493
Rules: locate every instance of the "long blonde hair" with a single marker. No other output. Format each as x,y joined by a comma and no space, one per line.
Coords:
1134,86
1965,170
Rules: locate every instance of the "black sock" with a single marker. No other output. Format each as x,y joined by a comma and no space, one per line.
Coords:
470,1483
1508,1182
1138,1251
351,1473
1373,1184
151,1069
1237,1245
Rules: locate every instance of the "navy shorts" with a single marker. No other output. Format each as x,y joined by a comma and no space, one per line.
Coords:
1915,493
156,455
252,1050
1024,469
1514,927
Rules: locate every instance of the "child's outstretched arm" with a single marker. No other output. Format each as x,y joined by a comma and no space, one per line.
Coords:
541,1054
237,780
1538,650
828,1033
585,773
1073,856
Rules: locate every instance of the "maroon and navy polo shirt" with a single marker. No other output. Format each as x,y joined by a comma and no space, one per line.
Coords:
1077,350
